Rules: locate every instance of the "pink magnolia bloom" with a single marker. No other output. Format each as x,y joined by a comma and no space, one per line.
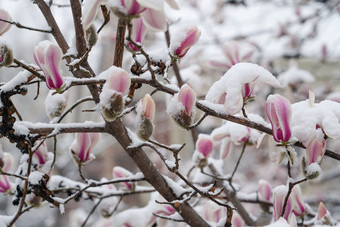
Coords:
180,44
204,145
264,191
82,147
299,207
90,11
213,213
237,220
316,150
279,113
324,217
118,80
120,172
165,211
322,211
5,185
138,32
145,115
279,196
132,7
48,57
148,107
40,156
4,26
182,106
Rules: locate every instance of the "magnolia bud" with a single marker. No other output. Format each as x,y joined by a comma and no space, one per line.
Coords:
180,44
6,54
115,107
91,36
55,104
145,115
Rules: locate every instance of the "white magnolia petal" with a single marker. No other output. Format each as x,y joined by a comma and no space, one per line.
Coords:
155,20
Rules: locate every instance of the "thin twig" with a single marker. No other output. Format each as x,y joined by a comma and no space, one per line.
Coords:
91,212
86,99
18,25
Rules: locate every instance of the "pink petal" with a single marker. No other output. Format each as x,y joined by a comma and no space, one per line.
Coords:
4,27
91,8
138,32
204,145
119,80
264,190
53,55
322,211
187,97
155,19
191,38
132,6
149,107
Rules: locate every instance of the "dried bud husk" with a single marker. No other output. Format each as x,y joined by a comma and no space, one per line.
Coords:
91,36
116,107
183,119
6,56
144,128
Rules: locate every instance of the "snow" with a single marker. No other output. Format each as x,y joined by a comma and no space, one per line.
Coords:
294,75
35,177
19,79
232,82
175,187
281,222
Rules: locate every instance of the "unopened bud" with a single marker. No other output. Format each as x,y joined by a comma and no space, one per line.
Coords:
91,36
116,106
144,129
6,55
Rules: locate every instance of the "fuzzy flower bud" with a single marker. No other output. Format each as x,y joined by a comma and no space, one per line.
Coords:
138,32
182,106
279,113
48,57
120,172
279,196
82,147
91,36
5,185
116,85
183,40
4,26
6,54
145,115
55,104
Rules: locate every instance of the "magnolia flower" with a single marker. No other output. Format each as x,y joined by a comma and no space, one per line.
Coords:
234,52
264,191
145,115
204,145
183,39
237,84
279,113
324,217
48,57
182,106
5,185
237,220
213,213
152,13
299,207
120,172
4,26
90,11
82,147
316,149
279,195
40,155
138,32
116,85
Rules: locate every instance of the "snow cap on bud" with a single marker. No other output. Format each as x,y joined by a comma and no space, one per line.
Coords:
324,217
55,104
116,85
183,40
145,115
5,185
182,106
279,113
299,207
6,53
4,26
82,147
90,11
138,32
48,57
279,195
120,172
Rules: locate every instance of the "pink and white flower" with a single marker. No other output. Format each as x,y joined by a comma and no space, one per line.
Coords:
279,195
264,191
183,39
4,26
82,147
138,32
299,207
316,149
48,57
5,185
145,114
182,106
324,216
279,113
120,172
204,145
90,11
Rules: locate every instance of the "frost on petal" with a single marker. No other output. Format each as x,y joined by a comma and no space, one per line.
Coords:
204,145
90,11
155,19
4,27
233,81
